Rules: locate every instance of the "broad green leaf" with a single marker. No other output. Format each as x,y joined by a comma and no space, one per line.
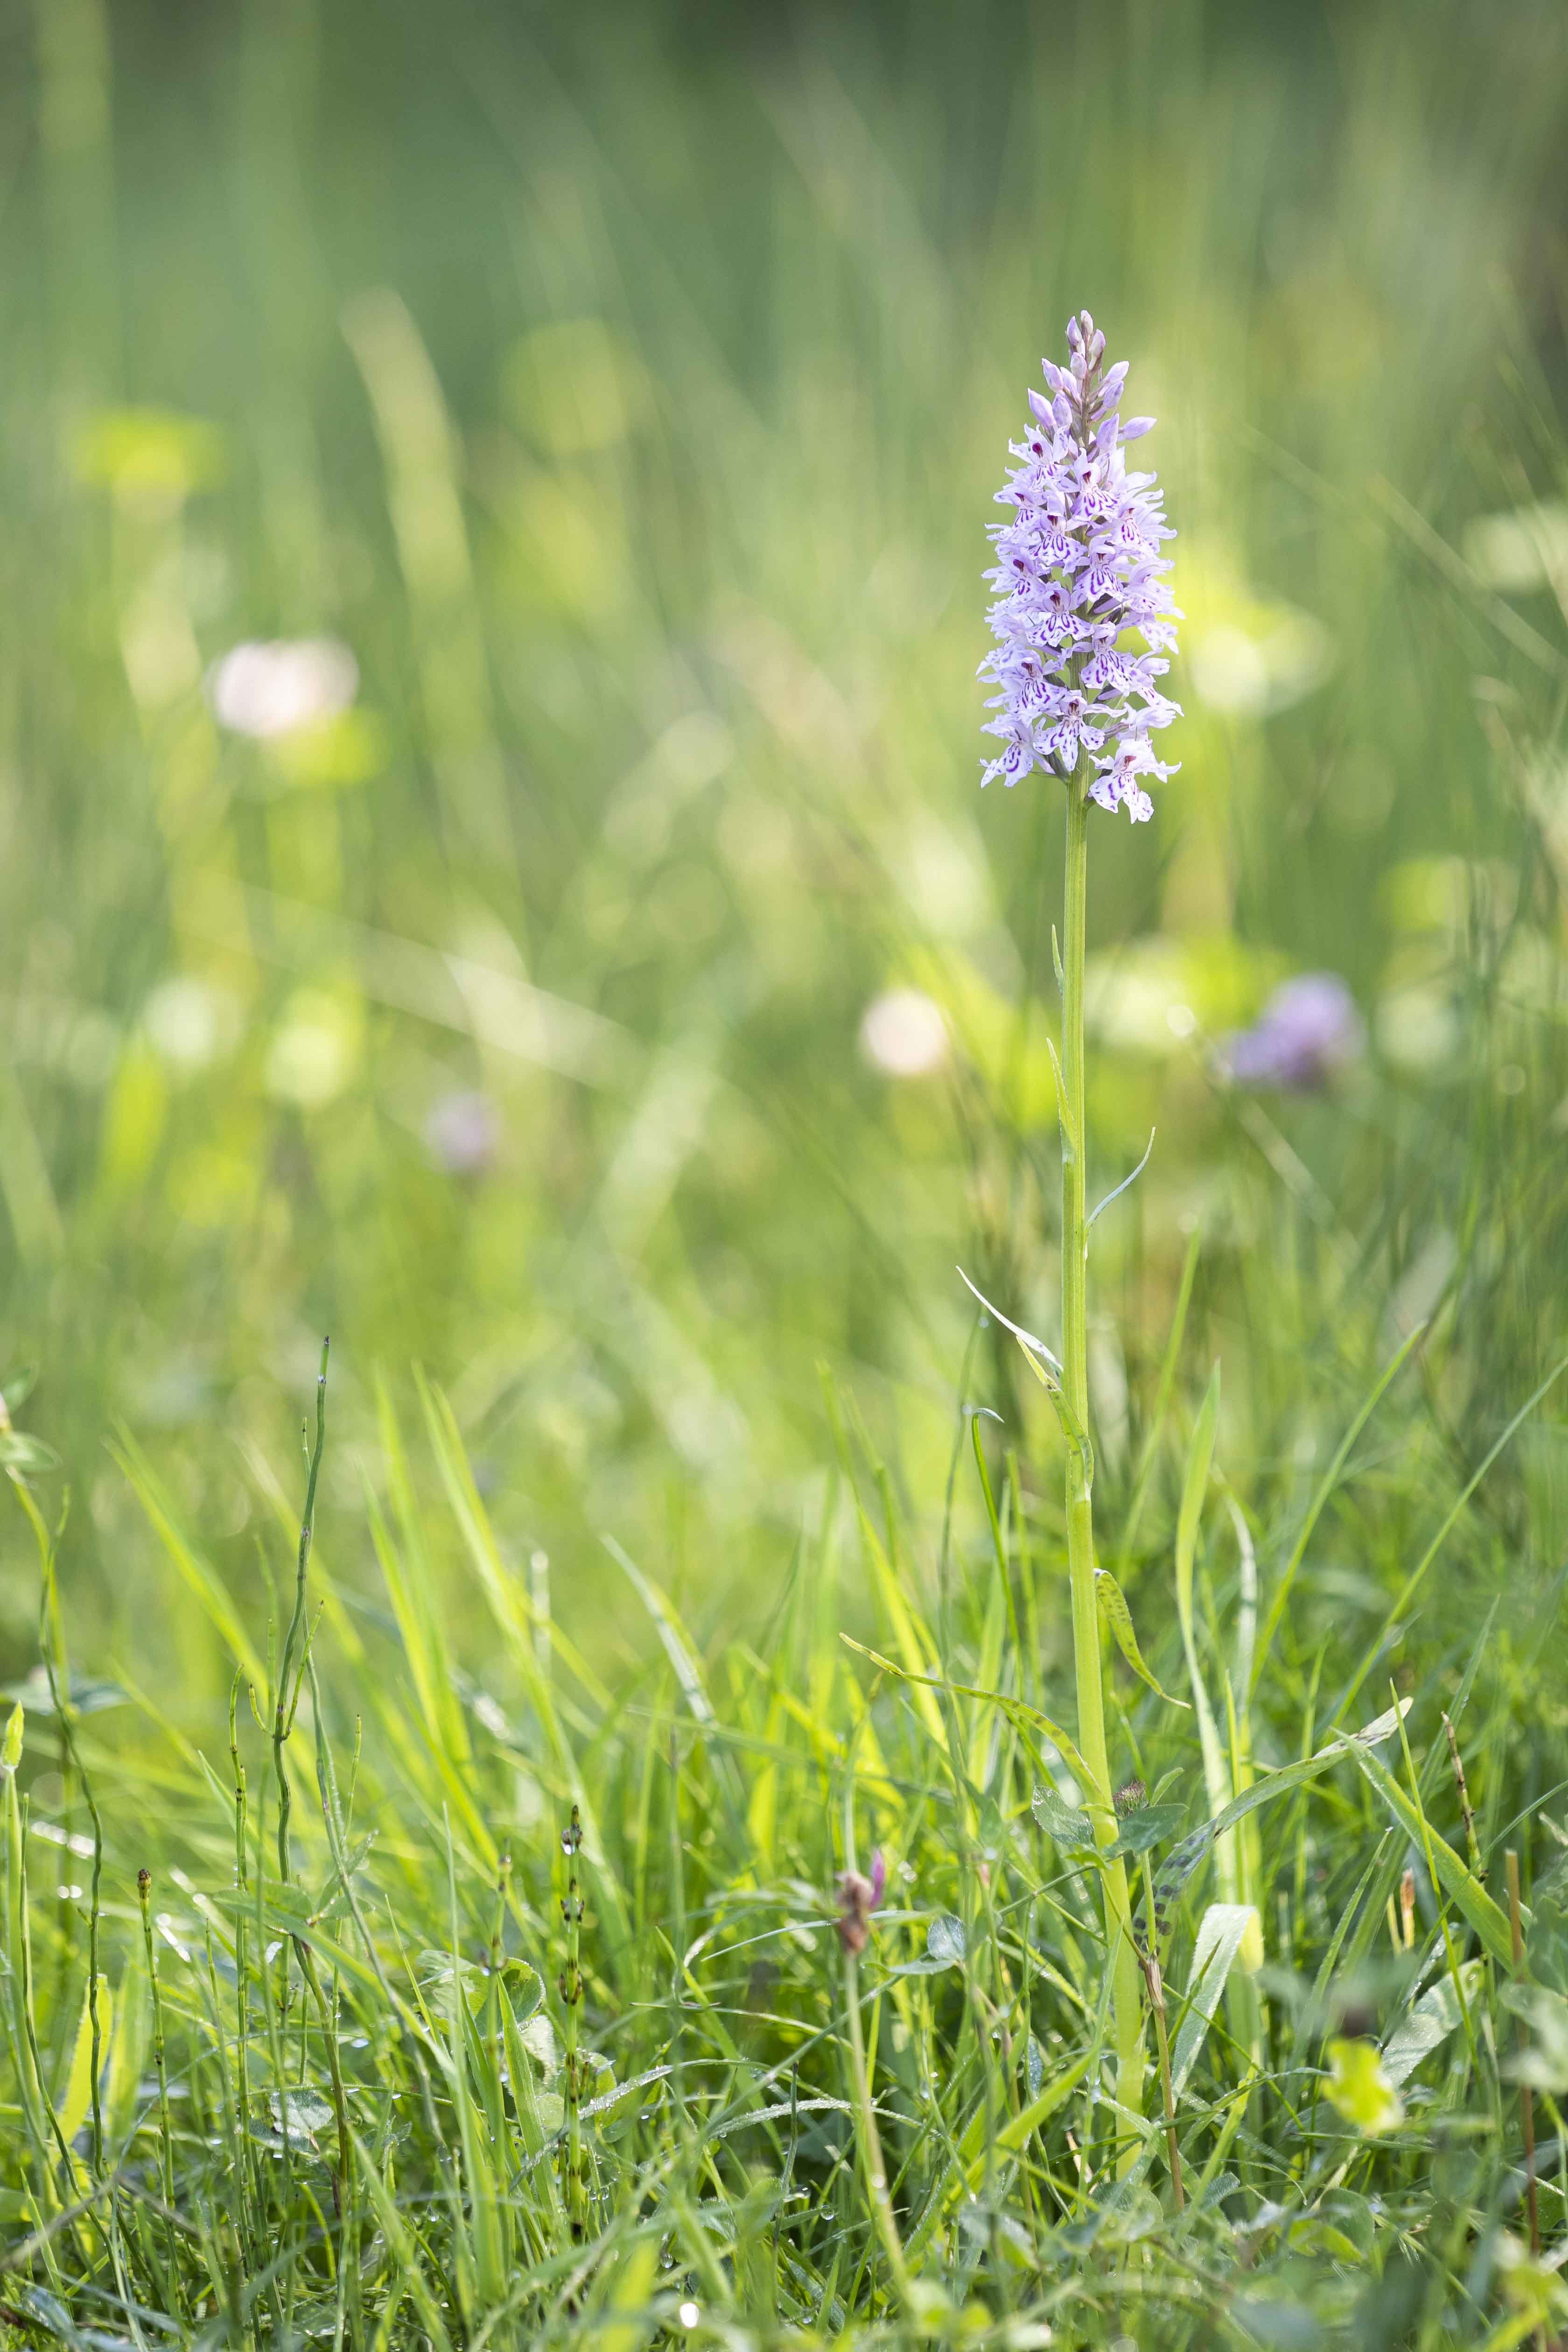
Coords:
537,2036
1359,2088
1063,1824
945,1939
1429,2022
946,1944
301,2116
1150,1826
1221,1933
1119,1617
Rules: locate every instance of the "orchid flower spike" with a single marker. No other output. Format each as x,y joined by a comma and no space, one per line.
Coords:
1079,567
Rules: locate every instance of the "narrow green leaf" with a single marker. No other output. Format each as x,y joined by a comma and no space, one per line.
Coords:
1016,1710
1489,1923
1185,1858
1119,1617
73,2108
1221,1932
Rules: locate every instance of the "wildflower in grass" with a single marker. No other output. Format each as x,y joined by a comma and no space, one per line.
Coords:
1084,622
1308,1029
1078,568
903,1033
857,1898
462,1134
267,690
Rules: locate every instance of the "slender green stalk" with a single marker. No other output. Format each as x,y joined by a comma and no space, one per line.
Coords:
870,2138
1155,1983
1526,2096
58,1671
160,2063
1121,1953
572,1998
284,1703
242,1952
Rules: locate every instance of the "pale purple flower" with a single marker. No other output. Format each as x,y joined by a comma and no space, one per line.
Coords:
1308,1029
461,1134
1078,568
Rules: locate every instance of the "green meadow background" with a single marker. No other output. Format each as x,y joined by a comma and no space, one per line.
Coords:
627,388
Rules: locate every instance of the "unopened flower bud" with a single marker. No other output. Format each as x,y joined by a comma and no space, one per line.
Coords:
857,1898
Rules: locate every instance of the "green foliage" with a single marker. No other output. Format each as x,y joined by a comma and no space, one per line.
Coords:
370,2083
625,389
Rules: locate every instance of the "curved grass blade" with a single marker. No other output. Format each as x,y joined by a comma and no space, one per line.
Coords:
1183,1859
1126,1182
1016,1710
1489,1922
1330,1480
1119,1617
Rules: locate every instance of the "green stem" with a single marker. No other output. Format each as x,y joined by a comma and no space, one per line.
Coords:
165,2128
1127,2001
570,1996
870,2138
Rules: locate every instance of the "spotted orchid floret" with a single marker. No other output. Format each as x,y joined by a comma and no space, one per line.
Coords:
1078,570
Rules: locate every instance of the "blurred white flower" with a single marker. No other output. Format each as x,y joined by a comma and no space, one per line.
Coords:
189,1022
904,1033
270,689
461,1134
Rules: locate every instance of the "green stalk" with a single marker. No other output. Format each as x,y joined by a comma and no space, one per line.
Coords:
1127,2003
870,2138
571,1997
160,2062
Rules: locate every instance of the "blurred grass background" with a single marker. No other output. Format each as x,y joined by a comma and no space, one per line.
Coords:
627,393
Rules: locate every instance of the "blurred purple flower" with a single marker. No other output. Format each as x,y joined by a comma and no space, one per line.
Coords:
857,1898
1308,1029
462,1133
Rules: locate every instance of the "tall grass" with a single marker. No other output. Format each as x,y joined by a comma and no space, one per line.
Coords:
513,2011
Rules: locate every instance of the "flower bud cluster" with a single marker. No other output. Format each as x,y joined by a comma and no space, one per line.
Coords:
1079,567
